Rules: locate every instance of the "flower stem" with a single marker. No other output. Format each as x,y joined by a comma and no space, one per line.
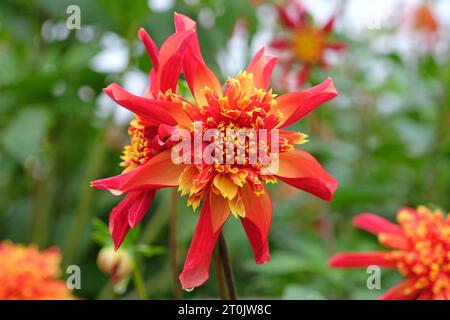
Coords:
228,271
173,245
220,274
139,280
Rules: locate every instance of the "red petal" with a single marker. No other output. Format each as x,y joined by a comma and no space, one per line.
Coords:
329,25
261,67
284,17
425,295
128,213
375,224
150,47
398,292
140,206
183,22
171,60
280,44
360,260
301,170
196,72
257,221
158,172
198,260
337,46
303,75
296,105
149,109
260,246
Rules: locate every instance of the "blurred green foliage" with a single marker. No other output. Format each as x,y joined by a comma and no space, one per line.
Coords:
386,141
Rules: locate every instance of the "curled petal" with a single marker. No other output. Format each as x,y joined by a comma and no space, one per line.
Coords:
150,47
257,221
259,245
198,260
128,213
150,110
197,73
171,61
301,170
261,67
158,172
375,224
360,260
296,105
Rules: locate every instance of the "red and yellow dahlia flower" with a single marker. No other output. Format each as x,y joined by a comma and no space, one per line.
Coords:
244,104
29,274
304,44
421,252
424,19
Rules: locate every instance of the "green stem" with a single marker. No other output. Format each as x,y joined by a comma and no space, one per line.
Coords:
220,274
94,166
139,280
228,271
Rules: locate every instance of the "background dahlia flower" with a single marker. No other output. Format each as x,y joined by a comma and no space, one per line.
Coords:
420,246
303,44
244,103
29,274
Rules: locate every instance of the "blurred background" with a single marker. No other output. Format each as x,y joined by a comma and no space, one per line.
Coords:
385,138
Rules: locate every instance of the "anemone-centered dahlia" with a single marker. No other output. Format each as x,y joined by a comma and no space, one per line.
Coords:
421,252
304,43
29,274
231,180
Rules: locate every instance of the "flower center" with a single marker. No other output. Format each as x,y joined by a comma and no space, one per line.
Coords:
308,45
428,260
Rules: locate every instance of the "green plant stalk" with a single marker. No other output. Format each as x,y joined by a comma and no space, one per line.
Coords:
228,270
138,280
94,166
220,274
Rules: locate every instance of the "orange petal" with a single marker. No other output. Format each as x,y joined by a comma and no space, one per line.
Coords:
296,105
261,67
158,172
219,210
301,170
393,241
258,209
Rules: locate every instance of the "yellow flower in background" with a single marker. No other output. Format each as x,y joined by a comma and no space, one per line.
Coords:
29,274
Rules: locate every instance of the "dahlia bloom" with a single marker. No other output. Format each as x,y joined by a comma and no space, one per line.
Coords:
304,44
424,19
424,22
244,104
420,246
29,274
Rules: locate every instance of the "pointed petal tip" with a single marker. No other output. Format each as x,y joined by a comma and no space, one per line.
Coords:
331,87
